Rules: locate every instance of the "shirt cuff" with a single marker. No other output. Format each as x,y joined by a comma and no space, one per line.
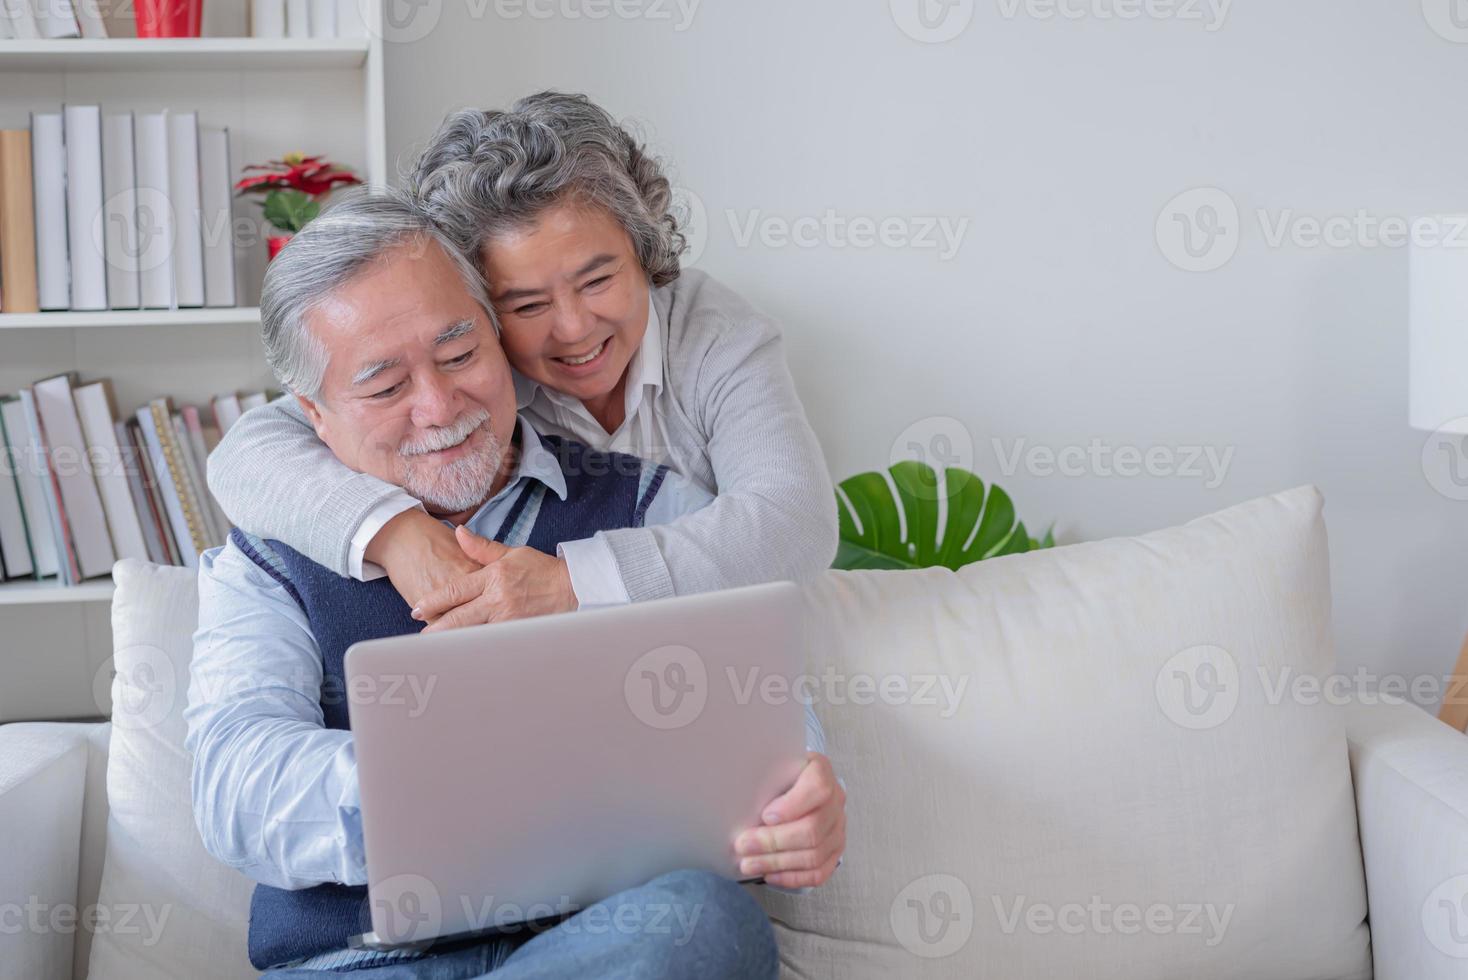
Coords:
594,575
357,564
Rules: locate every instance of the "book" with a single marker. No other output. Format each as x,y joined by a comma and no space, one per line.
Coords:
297,18
96,408
21,18
33,504
194,476
48,173
201,440
183,191
155,212
67,567
82,503
189,530
56,18
321,15
349,22
89,17
15,539
215,194
17,224
254,400
120,211
83,139
154,490
132,464
226,410
267,18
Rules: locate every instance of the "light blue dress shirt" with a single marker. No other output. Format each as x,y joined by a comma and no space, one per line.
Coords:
275,791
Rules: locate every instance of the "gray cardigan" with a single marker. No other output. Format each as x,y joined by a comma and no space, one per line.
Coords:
734,425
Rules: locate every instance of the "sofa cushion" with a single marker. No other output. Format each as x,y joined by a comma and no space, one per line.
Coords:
188,912
1079,763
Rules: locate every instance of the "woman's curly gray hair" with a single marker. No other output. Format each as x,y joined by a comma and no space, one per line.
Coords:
487,172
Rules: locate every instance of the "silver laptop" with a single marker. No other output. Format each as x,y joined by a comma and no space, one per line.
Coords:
512,773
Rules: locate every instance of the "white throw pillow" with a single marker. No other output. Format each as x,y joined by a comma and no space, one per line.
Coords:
1109,785
188,912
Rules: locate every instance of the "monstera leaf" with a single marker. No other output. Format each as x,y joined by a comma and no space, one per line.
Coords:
883,529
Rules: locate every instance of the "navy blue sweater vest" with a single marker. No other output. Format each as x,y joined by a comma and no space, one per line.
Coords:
604,491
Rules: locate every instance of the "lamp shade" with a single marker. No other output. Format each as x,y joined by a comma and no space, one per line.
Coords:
1438,316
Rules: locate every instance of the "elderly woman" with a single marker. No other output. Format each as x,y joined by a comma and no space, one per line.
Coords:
613,345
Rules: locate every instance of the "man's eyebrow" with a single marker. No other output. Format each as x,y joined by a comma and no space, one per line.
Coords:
595,263
453,332
448,335
372,370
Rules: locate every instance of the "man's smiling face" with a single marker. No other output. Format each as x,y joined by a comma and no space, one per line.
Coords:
417,391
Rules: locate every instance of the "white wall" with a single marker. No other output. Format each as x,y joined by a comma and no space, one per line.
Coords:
1059,320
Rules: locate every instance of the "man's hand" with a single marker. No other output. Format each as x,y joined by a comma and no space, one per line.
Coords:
804,832
420,555
514,583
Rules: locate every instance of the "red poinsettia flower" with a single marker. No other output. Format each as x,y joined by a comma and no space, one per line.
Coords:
312,176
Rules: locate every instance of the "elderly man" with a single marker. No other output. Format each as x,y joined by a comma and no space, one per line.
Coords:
382,332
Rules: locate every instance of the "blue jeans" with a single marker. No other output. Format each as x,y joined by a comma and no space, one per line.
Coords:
682,924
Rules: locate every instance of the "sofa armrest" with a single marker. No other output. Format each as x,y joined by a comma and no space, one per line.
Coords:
43,776
1411,778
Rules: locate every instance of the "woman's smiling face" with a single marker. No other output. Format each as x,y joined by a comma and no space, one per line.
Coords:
572,298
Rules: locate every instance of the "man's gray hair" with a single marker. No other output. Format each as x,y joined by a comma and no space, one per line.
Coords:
485,173
331,251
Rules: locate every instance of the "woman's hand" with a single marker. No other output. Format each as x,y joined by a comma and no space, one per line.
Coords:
420,555
513,583
804,833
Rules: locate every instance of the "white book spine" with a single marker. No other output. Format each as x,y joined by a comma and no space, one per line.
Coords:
82,502
226,411
133,468
120,212
56,18
7,33
105,457
28,472
155,212
15,546
267,18
215,193
322,14
89,18
48,173
83,125
21,19
171,501
183,184
42,465
349,22
297,18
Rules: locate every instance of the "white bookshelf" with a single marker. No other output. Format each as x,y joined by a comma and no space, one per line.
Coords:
191,54
233,316
275,95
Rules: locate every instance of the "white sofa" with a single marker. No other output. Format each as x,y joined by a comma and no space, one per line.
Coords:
1101,761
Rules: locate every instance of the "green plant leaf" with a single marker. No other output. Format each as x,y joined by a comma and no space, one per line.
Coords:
289,210
883,528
